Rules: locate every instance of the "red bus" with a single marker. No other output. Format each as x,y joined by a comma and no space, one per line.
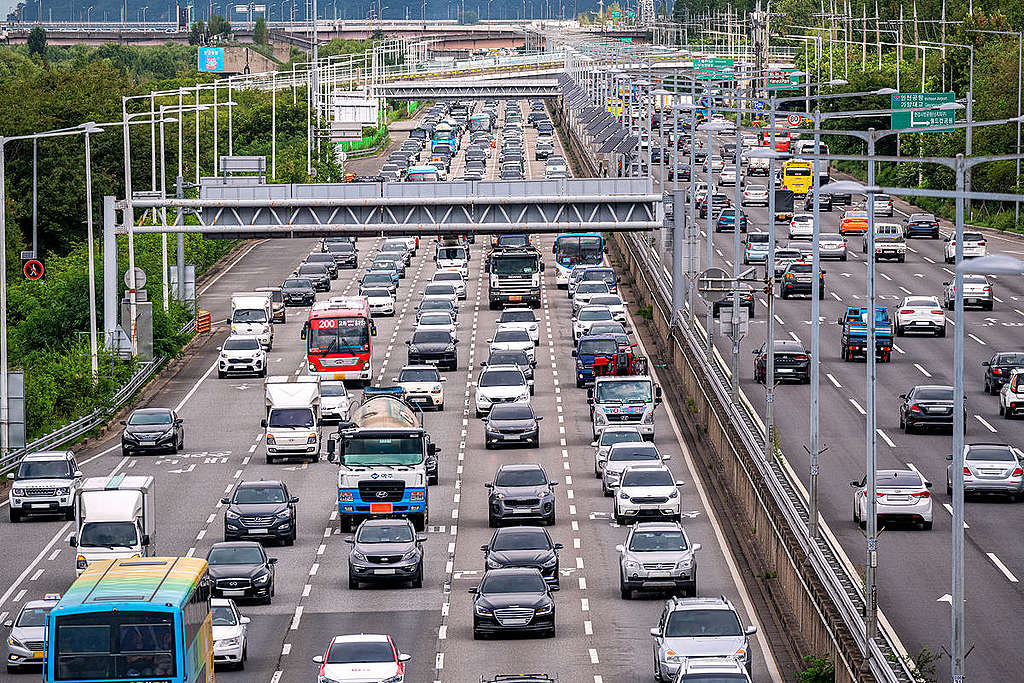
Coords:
337,334
782,140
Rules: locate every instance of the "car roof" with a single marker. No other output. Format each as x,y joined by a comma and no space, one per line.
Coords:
386,521
496,368
32,604
49,455
261,482
646,467
721,602
520,467
657,526
150,411
361,638
236,544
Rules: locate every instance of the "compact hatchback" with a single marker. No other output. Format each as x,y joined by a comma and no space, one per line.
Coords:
362,657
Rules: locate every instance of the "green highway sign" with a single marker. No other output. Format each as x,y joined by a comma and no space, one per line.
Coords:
718,68
782,79
924,118
616,13
630,13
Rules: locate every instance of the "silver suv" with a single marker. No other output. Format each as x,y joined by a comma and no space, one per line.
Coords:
44,483
657,556
698,627
622,455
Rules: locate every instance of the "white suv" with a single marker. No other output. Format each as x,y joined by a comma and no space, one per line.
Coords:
44,483
520,319
451,277
974,246
423,385
500,384
241,354
646,491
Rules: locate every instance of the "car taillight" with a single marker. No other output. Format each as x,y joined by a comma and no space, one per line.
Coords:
967,470
986,288
921,494
936,312
906,311
1017,472
997,371
981,244
915,409
801,358
789,275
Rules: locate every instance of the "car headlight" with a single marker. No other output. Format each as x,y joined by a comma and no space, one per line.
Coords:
648,419
550,562
674,494
393,679
674,657
271,440
14,642
284,514
600,419
311,438
436,389
579,364
18,492
493,564
262,579
409,554
685,564
417,495
484,398
229,642
450,347
482,611
741,654
623,495
231,515
632,566
359,555
366,365
345,496
524,397
545,609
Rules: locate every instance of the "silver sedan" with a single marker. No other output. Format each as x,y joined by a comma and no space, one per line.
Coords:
991,468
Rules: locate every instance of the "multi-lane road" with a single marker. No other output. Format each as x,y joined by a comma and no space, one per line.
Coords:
914,566
600,637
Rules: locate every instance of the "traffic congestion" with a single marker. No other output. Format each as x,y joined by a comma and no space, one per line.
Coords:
419,459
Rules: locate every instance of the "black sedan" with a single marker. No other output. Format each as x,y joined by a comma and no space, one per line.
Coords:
520,492
512,423
241,570
718,203
317,273
260,509
513,601
928,405
152,429
791,362
298,291
433,347
385,551
327,260
746,301
999,367
523,546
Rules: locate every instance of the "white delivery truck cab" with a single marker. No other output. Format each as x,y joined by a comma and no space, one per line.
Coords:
453,257
624,401
115,517
293,417
252,313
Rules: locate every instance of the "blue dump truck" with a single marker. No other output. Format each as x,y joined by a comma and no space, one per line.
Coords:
854,342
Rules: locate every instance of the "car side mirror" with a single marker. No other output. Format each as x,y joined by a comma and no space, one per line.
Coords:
245,620
552,483
986,364
927,484
574,353
10,476
9,623
73,541
903,395
332,446
750,630
220,348
293,499
949,457
227,321
225,501
319,659
656,632
271,560
421,538
666,457
620,548
484,547
488,485
350,540
945,284
473,591
263,423
124,423
145,539
855,484
404,657
695,547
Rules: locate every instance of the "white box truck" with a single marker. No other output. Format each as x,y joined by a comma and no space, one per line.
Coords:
252,314
115,517
293,417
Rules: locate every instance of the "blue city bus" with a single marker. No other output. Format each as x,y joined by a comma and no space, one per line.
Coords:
574,249
133,619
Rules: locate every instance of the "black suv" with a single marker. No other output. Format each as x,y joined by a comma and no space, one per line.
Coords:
520,492
433,347
345,253
523,546
260,509
241,569
792,362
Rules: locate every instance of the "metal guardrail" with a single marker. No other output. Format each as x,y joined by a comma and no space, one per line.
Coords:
825,555
87,423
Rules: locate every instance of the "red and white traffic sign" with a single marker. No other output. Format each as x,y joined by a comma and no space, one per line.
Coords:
794,119
33,269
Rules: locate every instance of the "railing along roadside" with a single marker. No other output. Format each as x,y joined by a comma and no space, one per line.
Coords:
826,557
83,425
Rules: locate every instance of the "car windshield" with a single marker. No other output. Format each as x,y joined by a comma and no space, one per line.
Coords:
508,358
431,337
501,378
291,418
238,344
512,336
520,540
973,236
592,288
33,616
436,305
387,533
588,314
922,301
108,535
934,394
633,453
597,347
377,279
517,317
598,275
702,623
436,319
44,469
657,541
438,277
360,652
245,554
419,375
515,265
160,418
223,616
340,247
996,453
610,437
530,477
606,300
298,283
332,389
377,293
1009,359
512,411
636,391
899,478
249,315
451,253
312,269
758,238
495,582
259,494
647,478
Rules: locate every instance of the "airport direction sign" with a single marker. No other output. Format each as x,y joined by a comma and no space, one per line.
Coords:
914,119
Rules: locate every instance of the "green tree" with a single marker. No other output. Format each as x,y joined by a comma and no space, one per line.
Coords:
197,33
219,26
37,42
259,32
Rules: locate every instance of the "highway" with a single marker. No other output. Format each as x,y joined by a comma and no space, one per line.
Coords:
600,637
914,566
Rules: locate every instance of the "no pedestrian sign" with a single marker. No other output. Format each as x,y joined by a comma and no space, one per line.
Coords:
33,269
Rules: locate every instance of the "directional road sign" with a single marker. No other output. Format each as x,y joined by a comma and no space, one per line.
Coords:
914,119
713,67
782,79
759,105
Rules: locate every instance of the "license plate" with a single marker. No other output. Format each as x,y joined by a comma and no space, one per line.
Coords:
380,507
233,594
784,370
515,298
37,655
659,575
39,505
383,571
259,532
521,511
511,437
919,322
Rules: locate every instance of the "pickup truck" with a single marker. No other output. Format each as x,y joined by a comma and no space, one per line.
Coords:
890,242
855,333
